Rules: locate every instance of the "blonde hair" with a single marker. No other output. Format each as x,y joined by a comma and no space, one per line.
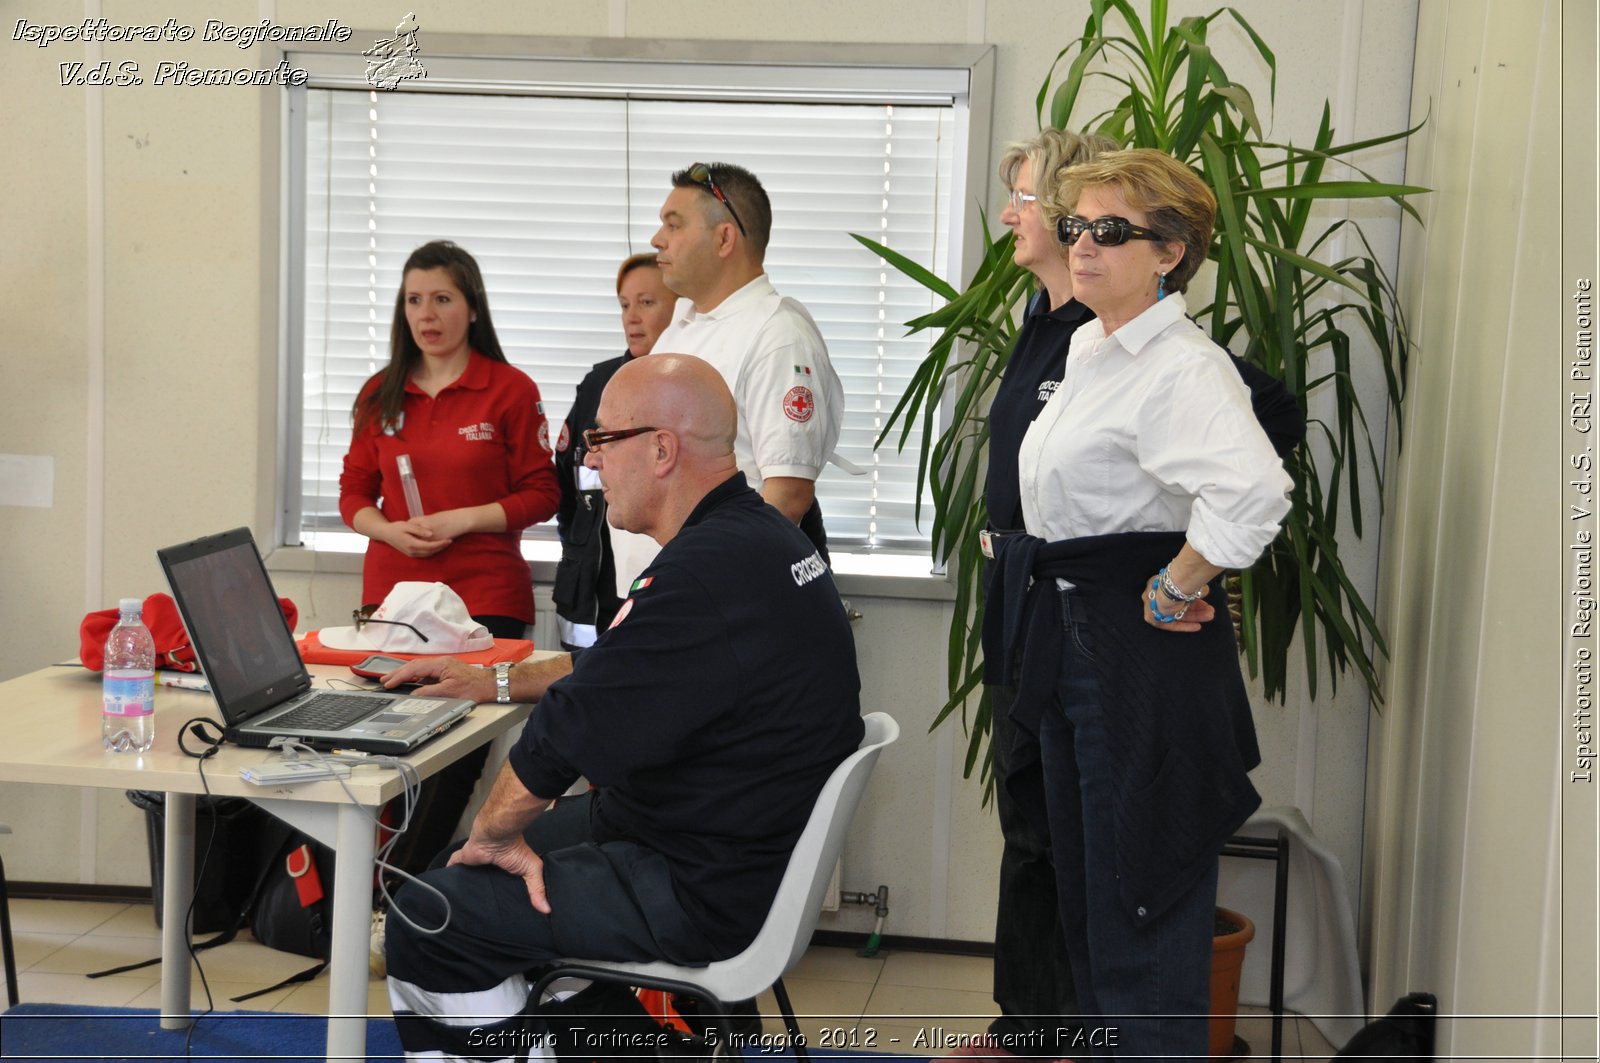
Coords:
1172,197
1051,152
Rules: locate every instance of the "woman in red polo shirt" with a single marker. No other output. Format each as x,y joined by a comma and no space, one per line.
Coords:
473,431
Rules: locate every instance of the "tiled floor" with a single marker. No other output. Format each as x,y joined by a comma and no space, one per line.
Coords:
893,1002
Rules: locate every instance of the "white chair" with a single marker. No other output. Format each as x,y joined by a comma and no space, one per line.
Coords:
787,932
5,932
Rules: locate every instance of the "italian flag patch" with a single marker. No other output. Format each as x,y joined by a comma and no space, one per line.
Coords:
640,584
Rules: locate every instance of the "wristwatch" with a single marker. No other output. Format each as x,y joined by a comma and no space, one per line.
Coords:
502,682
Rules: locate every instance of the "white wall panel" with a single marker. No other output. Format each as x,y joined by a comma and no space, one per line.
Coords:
1466,789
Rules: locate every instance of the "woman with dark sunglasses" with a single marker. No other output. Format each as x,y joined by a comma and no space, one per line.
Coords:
1145,474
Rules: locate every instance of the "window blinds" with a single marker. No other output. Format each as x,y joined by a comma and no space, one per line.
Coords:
550,193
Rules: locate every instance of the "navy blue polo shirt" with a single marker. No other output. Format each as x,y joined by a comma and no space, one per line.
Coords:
712,711
1038,362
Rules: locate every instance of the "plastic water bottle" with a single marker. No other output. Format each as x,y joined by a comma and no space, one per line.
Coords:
128,721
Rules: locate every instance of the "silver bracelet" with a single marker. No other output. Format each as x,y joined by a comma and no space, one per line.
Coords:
1170,589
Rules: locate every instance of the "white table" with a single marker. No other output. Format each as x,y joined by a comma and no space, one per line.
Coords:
53,736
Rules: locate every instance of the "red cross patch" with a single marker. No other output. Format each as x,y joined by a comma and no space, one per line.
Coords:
798,405
564,440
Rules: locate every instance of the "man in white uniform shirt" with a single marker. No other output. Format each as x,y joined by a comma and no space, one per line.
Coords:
710,248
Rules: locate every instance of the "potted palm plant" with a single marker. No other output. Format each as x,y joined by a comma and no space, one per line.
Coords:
1281,300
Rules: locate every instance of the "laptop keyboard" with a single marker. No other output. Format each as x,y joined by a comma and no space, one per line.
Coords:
329,712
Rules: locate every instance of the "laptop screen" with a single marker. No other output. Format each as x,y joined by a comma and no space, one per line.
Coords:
240,635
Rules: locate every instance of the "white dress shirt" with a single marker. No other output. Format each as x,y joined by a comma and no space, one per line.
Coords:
790,401
1151,430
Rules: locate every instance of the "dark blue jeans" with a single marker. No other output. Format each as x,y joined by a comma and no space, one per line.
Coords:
1149,985
1032,978
459,991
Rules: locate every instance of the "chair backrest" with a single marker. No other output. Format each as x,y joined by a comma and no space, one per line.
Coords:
798,905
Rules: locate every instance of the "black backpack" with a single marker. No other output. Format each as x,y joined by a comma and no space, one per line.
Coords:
293,907
268,875
1405,1034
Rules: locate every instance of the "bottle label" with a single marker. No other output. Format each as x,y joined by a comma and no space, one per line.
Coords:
130,693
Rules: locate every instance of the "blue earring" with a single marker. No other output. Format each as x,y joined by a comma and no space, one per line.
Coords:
1161,286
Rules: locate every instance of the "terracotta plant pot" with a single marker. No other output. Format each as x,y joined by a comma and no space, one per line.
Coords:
1227,960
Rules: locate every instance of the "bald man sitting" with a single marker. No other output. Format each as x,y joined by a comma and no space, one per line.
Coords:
707,719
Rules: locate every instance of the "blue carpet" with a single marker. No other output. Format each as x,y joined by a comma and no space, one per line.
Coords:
62,1033
65,1032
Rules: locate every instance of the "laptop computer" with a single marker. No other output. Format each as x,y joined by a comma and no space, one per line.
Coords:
250,659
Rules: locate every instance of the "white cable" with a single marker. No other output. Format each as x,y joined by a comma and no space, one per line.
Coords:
292,750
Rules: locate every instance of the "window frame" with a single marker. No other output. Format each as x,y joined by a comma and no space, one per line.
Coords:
960,76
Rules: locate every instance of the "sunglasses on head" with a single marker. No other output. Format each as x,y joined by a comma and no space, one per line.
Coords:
700,174
595,438
1108,231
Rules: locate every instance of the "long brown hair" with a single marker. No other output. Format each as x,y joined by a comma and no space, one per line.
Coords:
382,404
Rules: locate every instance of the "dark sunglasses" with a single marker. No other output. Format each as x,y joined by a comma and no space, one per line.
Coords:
363,617
1108,231
700,174
595,438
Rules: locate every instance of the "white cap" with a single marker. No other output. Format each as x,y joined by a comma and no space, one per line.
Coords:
423,618
130,605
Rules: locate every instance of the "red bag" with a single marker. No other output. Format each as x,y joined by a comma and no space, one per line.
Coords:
173,651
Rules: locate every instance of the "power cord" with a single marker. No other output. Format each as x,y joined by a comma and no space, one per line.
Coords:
292,750
211,739
200,728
